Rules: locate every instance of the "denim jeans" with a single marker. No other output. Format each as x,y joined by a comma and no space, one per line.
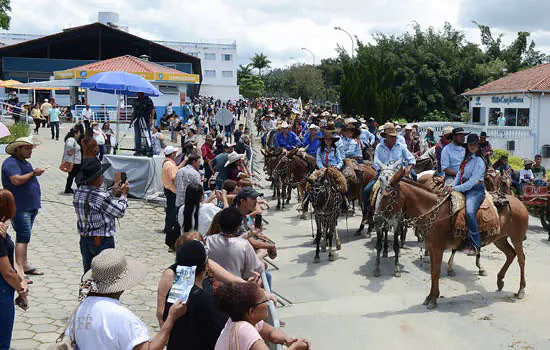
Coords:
474,198
22,224
54,126
90,250
7,316
366,194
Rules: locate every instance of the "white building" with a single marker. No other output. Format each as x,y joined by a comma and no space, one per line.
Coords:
219,66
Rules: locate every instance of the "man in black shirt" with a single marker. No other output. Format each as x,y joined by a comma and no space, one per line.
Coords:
237,134
144,112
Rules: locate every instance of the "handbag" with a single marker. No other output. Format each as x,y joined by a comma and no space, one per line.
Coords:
67,166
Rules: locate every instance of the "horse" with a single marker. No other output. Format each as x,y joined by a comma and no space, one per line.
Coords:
300,167
282,181
433,217
327,205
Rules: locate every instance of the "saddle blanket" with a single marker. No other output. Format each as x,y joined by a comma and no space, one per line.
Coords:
487,216
374,193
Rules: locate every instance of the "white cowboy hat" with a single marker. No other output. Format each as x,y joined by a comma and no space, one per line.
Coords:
22,141
284,125
313,126
408,127
112,272
233,157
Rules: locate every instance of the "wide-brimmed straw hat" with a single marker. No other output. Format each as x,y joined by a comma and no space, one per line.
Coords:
22,141
446,131
389,129
233,157
528,161
284,125
112,272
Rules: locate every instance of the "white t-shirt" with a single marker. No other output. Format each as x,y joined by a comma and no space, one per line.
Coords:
102,323
87,114
526,175
206,214
98,137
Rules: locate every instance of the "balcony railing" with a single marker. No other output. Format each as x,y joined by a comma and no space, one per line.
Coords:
502,132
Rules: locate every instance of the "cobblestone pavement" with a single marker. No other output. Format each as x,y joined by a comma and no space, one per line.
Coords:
54,250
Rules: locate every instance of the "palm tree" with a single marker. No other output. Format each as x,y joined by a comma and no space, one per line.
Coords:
260,61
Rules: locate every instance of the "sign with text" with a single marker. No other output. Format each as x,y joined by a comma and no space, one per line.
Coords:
506,99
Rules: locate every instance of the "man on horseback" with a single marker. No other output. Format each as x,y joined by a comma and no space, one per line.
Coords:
469,180
311,141
453,155
444,140
388,152
286,139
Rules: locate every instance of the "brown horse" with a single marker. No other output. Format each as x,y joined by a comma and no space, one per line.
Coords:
434,219
301,165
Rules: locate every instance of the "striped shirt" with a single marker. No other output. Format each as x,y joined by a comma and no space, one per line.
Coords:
102,210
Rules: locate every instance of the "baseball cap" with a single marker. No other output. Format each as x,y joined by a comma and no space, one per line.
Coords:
247,192
169,150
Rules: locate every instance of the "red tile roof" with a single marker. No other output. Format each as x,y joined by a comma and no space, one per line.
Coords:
129,64
531,79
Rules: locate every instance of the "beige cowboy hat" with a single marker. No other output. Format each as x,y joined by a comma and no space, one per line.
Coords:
389,129
284,125
446,131
22,141
325,114
233,157
408,127
112,272
528,161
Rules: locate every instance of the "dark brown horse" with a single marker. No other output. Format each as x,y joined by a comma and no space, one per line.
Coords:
434,220
301,165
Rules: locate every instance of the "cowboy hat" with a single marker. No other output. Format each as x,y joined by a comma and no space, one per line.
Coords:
91,169
472,139
459,130
528,161
408,127
430,129
233,157
329,134
209,138
284,125
325,114
22,141
313,126
446,131
112,272
483,134
389,129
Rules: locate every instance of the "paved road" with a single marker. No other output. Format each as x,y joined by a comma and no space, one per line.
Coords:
338,305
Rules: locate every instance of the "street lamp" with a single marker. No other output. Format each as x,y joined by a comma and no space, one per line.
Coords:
311,53
351,38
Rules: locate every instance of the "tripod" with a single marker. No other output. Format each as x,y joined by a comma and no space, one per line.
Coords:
146,143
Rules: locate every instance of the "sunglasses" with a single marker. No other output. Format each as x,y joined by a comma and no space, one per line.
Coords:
260,303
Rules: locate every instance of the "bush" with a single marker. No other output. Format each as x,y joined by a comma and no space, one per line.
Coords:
17,130
514,161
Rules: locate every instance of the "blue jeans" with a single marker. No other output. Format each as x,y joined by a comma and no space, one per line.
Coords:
22,223
366,194
54,126
7,317
474,198
89,249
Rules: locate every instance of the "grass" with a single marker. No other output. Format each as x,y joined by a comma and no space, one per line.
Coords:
17,130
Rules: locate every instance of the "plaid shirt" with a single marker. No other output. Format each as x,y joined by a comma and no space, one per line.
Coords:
103,209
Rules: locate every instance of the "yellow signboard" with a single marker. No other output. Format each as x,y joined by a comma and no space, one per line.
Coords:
64,74
182,77
172,77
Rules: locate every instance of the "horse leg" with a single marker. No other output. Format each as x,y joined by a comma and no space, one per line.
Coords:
323,236
337,238
379,238
480,269
403,235
360,229
386,244
510,253
316,259
289,193
518,246
396,234
451,264
436,256
330,235
278,194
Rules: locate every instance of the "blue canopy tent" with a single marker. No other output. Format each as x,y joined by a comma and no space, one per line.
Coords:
119,83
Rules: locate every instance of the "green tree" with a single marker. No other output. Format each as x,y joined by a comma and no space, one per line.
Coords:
243,71
251,86
260,62
5,18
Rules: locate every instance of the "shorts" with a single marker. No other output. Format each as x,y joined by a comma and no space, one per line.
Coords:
22,224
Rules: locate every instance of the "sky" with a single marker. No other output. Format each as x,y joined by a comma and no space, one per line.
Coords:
281,28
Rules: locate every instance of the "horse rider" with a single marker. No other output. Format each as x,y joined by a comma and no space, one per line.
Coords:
348,145
444,139
286,139
372,126
388,152
486,148
328,156
412,144
400,137
469,181
311,141
268,123
453,154
367,138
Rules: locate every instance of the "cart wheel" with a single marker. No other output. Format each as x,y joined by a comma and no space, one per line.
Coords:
545,218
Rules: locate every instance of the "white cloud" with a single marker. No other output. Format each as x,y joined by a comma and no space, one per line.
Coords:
278,28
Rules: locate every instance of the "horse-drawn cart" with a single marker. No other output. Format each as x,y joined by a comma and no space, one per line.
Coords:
537,198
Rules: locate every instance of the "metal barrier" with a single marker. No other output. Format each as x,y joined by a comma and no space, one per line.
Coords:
273,318
104,112
17,113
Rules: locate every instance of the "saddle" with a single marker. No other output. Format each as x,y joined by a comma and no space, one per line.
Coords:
488,218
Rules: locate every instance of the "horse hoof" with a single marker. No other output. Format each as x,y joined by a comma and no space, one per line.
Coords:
500,285
432,304
316,259
397,274
426,301
278,207
377,273
451,273
520,294
368,235
482,273
331,258
338,246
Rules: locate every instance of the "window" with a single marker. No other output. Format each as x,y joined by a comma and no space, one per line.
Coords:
516,116
493,116
210,56
169,90
227,57
476,114
227,74
210,73
523,116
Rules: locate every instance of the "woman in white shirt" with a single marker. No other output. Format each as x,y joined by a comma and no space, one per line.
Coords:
73,155
99,137
197,213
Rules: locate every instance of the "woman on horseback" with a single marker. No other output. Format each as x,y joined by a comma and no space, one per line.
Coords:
469,180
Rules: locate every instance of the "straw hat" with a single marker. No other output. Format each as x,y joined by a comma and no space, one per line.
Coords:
528,161
233,157
112,272
408,127
389,129
22,141
446,131
284,125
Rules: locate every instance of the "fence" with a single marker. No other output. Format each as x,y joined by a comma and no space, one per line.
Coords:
17,113
103,113
500,132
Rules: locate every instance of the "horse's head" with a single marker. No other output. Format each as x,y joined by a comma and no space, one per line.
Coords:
388,174
387,203
492,180
505,183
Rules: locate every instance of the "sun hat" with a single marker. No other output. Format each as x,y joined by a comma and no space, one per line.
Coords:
408,127
45,100
430,129
325,114
528,161
472,139
313,126
483,134
284,125
112,272
170,149
233,157
459,130
22,141
209,138
446,131
91,169
389,129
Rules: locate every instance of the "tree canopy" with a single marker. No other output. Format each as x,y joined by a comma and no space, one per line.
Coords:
5,18
260,62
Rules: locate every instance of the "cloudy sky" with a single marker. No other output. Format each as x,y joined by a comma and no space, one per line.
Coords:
280,28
